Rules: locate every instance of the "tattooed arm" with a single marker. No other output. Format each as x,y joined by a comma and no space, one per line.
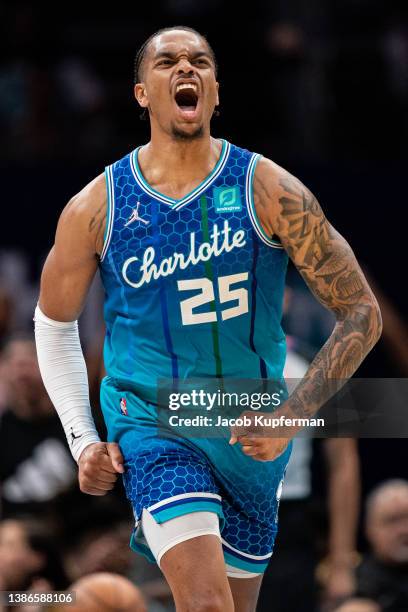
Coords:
330,269
73,260
287,209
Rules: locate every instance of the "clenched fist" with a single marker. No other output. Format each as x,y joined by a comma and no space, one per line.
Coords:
99,466
260,442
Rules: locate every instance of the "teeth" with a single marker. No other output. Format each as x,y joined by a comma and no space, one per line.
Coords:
186,86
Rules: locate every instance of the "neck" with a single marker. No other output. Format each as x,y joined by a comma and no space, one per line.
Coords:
168,159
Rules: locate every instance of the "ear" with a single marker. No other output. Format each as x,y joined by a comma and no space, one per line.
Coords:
141,95
218,98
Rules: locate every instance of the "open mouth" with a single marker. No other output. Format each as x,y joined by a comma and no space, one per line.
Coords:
186,97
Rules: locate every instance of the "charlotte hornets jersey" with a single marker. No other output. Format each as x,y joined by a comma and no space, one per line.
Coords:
194,287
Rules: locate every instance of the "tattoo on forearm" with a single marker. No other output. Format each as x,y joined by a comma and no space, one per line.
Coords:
331,271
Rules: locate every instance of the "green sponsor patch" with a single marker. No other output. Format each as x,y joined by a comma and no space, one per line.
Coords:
227,199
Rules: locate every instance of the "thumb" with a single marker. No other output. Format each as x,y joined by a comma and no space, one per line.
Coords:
116,456
233,439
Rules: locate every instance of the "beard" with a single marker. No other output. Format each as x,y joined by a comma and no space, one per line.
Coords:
181,135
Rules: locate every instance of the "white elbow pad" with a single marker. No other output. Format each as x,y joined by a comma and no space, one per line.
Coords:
63,370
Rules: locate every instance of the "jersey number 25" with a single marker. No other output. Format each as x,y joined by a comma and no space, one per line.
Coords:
206,296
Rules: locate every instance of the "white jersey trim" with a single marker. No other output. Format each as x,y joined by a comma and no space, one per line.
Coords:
236,572
182,496
243,554
195,194
262,235
110,211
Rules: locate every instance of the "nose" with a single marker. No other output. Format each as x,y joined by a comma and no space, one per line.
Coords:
184,66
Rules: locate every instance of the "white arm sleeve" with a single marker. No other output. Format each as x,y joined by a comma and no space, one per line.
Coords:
63,370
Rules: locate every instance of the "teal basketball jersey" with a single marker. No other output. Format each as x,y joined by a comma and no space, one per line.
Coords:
194,287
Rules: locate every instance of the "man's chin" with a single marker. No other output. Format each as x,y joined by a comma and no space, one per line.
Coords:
185,134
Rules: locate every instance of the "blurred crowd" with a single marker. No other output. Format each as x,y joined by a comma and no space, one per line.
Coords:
333,70
328,85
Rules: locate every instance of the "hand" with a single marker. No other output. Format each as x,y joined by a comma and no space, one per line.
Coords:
99,466
341,583
257,441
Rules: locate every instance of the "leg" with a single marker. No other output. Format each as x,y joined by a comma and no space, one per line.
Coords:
195,571
245,593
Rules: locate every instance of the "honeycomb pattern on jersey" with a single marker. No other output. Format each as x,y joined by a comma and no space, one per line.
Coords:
159,468
169,231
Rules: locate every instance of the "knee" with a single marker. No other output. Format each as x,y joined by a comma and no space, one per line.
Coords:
211,602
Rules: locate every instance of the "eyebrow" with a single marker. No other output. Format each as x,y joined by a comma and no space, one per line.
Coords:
171,55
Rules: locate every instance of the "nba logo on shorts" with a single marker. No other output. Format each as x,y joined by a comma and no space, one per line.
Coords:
123,407
227,199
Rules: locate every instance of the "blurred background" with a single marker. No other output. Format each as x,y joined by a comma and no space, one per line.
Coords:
321,87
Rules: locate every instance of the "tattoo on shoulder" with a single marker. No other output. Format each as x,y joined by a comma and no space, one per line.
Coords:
322,256
96,225
302,220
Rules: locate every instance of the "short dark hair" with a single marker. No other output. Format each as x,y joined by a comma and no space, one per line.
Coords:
141,54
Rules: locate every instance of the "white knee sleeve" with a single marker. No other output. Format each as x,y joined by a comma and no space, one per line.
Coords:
161,537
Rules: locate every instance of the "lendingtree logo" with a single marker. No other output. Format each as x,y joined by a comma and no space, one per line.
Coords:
227,199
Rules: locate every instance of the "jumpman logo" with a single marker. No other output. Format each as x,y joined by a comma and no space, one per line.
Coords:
73,436
135,217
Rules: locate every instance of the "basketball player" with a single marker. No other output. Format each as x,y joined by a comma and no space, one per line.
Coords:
192,235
